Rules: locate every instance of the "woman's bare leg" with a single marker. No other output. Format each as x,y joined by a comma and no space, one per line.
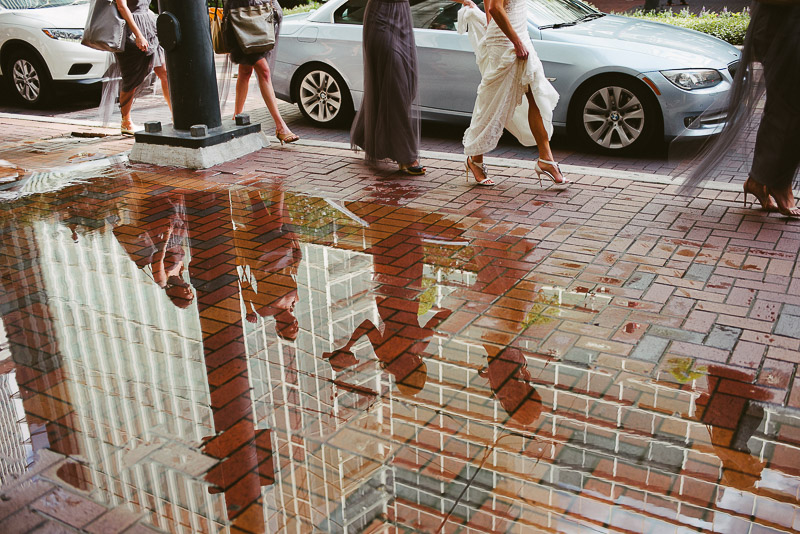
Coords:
242,86
540,134
125,105
268,94
161,72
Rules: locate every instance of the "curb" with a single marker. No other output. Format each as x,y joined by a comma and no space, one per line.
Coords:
632,176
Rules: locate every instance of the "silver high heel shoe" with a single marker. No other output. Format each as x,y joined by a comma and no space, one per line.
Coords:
540,172
486,180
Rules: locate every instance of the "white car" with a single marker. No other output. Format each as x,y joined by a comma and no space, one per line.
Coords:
40,48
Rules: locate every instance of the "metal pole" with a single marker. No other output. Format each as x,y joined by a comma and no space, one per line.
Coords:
183,30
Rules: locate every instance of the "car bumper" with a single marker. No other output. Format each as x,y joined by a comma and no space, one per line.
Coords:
697,113
73,62
282,80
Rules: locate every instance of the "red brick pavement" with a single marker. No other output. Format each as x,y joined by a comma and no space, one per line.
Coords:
293,341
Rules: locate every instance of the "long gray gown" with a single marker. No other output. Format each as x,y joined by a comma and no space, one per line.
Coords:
387,124
770,62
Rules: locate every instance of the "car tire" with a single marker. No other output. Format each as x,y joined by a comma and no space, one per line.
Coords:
28,78
323,97
615,115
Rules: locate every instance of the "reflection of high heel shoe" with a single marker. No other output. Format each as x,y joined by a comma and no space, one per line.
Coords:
286,137
486,180
751,187
540,171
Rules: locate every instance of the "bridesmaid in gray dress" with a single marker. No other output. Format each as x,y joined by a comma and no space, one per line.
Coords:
141,56
388,126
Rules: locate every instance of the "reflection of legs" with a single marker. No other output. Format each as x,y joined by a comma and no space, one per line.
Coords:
343,358
542,140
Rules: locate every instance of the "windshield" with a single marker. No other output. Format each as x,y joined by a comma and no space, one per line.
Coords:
36,4
551,12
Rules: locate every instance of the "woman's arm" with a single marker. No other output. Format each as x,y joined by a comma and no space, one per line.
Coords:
497,11
141,42
468,3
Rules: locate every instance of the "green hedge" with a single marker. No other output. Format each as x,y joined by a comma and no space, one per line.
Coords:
727,25
311,6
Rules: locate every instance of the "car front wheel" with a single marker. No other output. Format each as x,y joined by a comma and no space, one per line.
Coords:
28,77
615,116
323,97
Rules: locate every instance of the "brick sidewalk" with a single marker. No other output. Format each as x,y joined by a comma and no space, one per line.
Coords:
608,356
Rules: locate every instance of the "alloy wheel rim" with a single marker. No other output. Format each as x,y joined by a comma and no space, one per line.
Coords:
320,96
26,80
614,117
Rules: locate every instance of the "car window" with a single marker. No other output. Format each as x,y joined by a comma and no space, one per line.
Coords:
36,4
549,12
446,17
432,14
351,12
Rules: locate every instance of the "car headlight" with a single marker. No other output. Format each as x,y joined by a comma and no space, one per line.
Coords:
693,78
64,34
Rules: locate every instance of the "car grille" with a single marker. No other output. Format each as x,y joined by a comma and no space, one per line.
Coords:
732,68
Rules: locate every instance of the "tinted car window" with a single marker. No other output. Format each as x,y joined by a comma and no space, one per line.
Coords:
351,12
447,16
433,14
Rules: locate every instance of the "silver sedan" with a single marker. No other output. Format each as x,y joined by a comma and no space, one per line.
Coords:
624,83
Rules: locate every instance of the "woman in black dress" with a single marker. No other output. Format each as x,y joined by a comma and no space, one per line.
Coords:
773,40
141,56
387,125
261,64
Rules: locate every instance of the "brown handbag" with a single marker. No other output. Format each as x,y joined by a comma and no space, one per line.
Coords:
216,33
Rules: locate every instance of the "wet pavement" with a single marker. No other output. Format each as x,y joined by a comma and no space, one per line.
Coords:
294,342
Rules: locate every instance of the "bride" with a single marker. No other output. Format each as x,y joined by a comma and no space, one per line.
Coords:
514,93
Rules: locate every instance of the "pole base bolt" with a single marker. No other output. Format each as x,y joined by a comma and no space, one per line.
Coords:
242,119
152,127
199,130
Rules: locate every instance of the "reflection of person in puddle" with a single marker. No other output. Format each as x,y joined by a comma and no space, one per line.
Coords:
732,421
399,346
158,249
269,255
509,379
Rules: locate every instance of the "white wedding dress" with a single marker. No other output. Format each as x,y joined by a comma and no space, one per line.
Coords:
505,79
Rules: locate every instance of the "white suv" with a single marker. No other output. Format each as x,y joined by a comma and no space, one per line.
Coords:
40,48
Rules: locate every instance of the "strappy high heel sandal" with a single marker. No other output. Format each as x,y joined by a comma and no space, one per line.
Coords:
286,137
412,170
791,212
128,128
540,172
760,192
487,182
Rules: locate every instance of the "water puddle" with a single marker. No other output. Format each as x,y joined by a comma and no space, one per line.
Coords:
272,361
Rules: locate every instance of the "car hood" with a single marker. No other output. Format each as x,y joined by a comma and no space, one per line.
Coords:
73,16
677,47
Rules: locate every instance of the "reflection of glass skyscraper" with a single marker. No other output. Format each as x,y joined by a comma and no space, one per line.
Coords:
15,445
327,475
135,377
